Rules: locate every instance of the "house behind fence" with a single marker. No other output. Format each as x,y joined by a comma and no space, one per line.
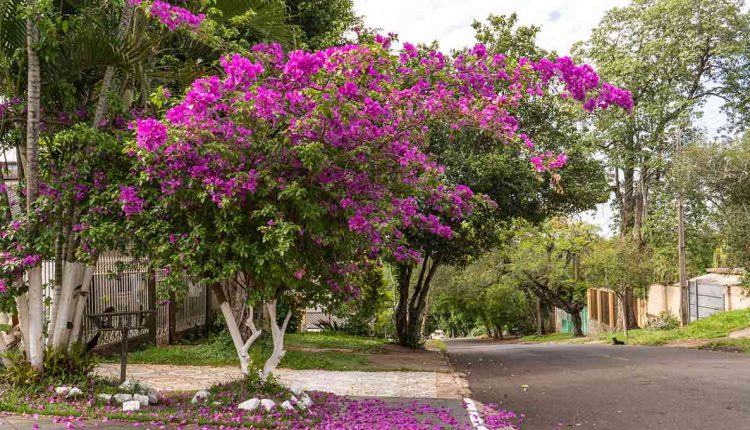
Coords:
122,284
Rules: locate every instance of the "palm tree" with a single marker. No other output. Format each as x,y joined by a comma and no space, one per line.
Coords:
34,302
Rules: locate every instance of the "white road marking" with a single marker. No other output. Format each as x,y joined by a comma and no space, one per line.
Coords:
476,419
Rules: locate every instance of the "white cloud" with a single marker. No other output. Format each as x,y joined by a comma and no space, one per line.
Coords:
563,22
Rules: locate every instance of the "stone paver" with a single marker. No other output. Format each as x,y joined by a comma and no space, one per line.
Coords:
17,422
740,333
429,385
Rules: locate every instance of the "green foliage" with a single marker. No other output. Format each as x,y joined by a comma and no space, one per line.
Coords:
672,55
549,260
247,387
482,298
503,173
619,265
73,367
665,321
719,173
361,313
323,23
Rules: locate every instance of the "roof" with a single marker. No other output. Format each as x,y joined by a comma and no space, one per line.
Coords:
718,279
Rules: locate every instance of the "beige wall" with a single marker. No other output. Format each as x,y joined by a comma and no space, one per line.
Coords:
663,298
667,298
737,298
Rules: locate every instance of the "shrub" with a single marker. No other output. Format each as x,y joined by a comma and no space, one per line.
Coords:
665,321
60,367
478,331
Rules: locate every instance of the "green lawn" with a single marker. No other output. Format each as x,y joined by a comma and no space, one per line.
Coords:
304,351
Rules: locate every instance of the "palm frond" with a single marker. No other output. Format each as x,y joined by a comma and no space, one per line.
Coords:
12,27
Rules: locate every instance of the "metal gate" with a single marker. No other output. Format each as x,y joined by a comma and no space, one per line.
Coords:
704,299
566,322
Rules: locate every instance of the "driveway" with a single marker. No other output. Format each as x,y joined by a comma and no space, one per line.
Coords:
609,387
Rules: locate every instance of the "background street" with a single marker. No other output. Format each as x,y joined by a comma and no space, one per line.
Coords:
609,387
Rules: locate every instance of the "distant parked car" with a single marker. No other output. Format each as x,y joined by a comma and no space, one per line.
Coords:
438,334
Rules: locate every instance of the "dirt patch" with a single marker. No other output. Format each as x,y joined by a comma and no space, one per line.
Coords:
722,348
691,343
395,357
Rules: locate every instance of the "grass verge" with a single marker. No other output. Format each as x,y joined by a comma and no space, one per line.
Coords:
323,351
717,326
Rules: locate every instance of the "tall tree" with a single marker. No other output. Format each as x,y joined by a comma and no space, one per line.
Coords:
323,23
548,260
720,175
35,300
502,173
673,55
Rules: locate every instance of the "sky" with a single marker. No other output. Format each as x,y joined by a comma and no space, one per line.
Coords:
562,22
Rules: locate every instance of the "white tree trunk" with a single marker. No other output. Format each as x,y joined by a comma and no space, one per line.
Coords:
80,305
277,333
22,305
72,280
6,338
242,347
35,336
56,293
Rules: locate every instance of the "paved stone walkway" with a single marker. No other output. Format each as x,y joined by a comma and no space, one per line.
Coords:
17,422
426,385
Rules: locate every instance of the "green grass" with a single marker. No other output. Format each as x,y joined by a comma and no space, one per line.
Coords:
436,344
716,326
218,351
332,341
553,337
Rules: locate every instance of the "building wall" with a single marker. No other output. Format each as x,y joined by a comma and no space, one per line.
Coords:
663,298
737,298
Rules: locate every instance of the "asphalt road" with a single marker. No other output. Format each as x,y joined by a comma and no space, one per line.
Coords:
609,387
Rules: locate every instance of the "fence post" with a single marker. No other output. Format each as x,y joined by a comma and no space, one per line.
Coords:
151,291
172,319
209,314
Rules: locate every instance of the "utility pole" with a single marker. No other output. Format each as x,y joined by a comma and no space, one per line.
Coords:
681,238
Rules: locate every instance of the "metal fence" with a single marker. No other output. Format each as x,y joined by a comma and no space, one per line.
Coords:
121,284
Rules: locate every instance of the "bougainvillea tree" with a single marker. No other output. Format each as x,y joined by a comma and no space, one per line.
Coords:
100,63
295,170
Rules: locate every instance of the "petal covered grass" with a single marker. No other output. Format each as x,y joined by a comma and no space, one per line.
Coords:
220,411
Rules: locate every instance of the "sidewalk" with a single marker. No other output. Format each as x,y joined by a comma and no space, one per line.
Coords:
411,385
16,422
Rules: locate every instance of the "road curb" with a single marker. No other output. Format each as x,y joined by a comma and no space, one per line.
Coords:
474,416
